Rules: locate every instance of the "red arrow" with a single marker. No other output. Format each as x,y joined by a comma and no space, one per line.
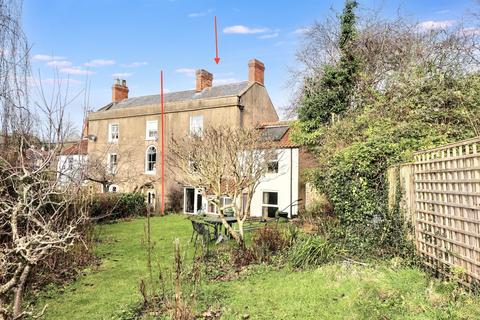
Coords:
217,59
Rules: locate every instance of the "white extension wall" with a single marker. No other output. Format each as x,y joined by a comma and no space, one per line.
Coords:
285,183
72,170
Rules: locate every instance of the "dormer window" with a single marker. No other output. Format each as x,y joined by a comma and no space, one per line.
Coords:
152,130
113,132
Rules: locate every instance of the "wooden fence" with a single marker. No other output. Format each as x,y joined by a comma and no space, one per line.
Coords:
446,208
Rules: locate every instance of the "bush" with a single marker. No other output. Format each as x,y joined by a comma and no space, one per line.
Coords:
111,206
313,251
268,241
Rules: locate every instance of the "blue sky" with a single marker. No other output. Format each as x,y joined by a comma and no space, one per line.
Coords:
102,39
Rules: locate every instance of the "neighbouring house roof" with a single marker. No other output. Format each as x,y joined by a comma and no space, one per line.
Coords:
278,133
225,90
78,148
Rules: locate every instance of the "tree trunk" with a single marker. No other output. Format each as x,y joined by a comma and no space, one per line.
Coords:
17,304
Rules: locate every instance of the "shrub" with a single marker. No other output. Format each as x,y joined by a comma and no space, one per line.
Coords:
313,251
111,206
268,240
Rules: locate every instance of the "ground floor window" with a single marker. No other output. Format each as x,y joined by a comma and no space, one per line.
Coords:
113,188
269,204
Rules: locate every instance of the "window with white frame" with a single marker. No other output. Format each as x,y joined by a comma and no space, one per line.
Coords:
112,162
152,130
151,163
196,125
269,204
113,132
113,188
272,166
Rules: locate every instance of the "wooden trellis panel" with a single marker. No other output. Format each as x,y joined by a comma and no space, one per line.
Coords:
447,206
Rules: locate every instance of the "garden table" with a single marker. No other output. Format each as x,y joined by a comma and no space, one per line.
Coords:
217,223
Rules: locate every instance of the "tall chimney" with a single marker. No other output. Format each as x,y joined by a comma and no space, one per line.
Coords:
204,80
119,90
256,71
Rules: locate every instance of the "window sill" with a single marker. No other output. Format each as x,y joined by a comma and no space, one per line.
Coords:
151,173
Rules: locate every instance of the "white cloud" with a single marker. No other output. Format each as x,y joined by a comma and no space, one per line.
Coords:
186,71
99,63
435,25
269,36
59,63
199,14
135,64
217,82
240,29
76,70
122,75
301,31
45,57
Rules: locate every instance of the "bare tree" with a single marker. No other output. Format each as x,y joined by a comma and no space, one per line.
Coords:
388,49
99,170
222,162
14,73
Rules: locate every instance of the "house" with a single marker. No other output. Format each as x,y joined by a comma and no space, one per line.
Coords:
281,189
124,133
71,162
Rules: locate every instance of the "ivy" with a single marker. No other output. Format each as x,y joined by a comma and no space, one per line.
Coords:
331,94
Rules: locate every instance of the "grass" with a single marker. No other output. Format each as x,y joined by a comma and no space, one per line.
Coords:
100,293
341,292
335,291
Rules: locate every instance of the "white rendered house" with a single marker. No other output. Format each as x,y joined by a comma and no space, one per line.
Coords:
71,162
280,189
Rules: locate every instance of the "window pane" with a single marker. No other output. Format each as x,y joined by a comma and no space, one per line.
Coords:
151,158
196,124
270,198
189,199
152,129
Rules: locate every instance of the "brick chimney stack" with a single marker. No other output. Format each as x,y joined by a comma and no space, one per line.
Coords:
256,71
119,90
204,80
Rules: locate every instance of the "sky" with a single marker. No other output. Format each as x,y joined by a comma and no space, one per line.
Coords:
94,41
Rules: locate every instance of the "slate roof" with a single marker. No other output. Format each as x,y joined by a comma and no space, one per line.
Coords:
278,133
187,95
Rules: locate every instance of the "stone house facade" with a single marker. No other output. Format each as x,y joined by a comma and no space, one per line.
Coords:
124,134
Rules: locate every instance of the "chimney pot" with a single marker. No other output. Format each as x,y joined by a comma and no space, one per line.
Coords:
256,71
204,80
119,90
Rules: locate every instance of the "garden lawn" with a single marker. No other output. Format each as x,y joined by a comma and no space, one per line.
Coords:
101,293
342,292
337,291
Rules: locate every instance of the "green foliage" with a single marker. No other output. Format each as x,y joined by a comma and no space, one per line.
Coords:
332,92
111,206
310,251
355,152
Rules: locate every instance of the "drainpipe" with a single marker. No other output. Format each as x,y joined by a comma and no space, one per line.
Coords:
241,108
291,182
